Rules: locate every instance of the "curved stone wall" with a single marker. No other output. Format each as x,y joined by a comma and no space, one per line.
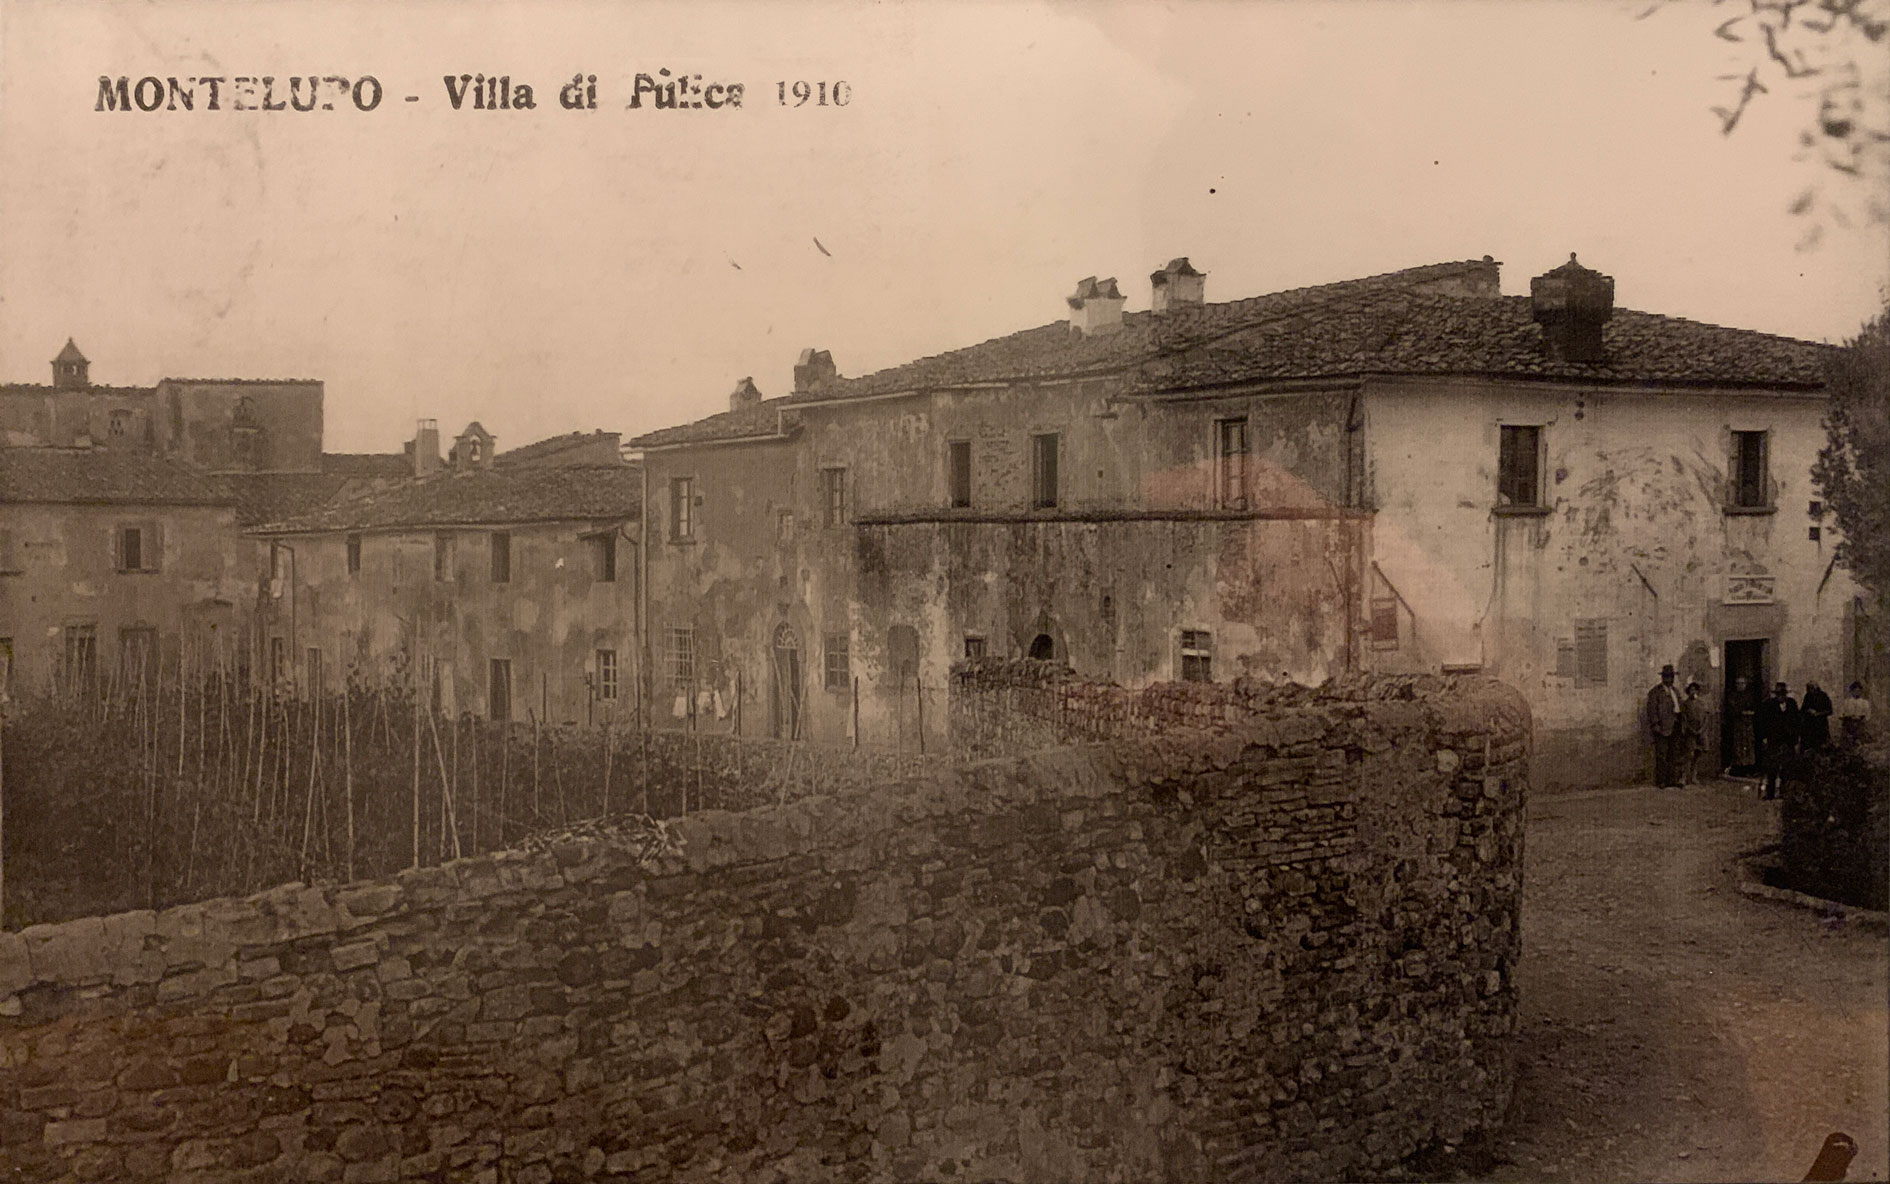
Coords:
1276,942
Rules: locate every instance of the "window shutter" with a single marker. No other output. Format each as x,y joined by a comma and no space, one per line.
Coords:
7,560
1732,468
152,557
118,548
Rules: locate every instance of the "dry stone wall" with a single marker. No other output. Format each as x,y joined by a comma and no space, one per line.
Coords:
1280,946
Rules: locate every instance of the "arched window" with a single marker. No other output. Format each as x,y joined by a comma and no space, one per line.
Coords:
1042,648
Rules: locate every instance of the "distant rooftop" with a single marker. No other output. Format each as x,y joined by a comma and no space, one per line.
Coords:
482,497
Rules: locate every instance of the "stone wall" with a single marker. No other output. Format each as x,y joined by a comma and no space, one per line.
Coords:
1281,946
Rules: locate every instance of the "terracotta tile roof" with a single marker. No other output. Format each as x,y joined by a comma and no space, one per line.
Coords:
270,497
482,497
99,476
1409,333
1443,319
540,450
367,464
770,417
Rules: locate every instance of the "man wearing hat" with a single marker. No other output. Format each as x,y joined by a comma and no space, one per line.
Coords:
1777,726
1663,727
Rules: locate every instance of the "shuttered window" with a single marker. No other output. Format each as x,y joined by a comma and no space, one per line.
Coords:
1591,653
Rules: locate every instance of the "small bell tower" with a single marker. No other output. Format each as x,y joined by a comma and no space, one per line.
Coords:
69,369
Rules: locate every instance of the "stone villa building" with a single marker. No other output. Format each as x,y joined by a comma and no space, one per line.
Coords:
1409,471
510,578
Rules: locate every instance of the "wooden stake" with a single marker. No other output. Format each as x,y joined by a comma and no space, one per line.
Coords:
347,732
416,770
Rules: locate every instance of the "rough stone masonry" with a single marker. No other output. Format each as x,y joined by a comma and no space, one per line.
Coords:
1248,938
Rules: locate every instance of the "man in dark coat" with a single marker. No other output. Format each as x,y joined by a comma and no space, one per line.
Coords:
1777,726
1663,728
1814,725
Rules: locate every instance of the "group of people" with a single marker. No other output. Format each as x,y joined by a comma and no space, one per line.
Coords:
1764,733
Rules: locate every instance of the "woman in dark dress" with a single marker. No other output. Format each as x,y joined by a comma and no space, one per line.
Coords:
1814,724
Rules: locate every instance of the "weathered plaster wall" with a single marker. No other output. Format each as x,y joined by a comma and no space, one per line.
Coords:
196,415
1636,535
1282,945
1113,594
549,619
1275,596
68,575
58,418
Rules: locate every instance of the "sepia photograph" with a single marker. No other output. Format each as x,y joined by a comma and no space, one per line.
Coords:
944,591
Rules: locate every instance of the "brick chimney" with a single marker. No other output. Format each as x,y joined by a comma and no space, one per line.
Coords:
1571,304
745,394
1097,306
425,448
1177,285
814,370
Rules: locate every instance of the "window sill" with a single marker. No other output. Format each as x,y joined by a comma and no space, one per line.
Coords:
1748,511
1522,511
139,571
688,542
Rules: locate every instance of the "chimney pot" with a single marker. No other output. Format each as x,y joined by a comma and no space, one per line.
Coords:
426,448
745,394
1572,303
1177,285
814,369
1097,306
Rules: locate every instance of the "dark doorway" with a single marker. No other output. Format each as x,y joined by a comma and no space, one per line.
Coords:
1745,660
785,702
1042,648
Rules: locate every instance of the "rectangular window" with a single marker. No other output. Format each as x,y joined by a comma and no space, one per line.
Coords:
1043,472
354,554
501,557
1230,437
6,666
1384,622
1196,656
603,556
138,547
974,646
606,674
1519,467
81,665
682,657
1591,653
9,556
958,472
1750,485
499,689
138,657
442,556
682,509
833,497
839,666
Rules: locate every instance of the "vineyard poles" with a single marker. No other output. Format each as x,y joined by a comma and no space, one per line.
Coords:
416,770
314,763
448,815
605,812
347,732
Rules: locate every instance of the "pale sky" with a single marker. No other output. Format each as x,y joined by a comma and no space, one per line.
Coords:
550,270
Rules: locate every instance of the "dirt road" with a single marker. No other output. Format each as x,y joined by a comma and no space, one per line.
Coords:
1674,1029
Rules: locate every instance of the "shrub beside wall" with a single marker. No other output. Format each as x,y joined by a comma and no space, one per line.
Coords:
1280,946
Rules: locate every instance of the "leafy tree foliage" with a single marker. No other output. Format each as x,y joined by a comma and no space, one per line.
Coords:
1853,470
